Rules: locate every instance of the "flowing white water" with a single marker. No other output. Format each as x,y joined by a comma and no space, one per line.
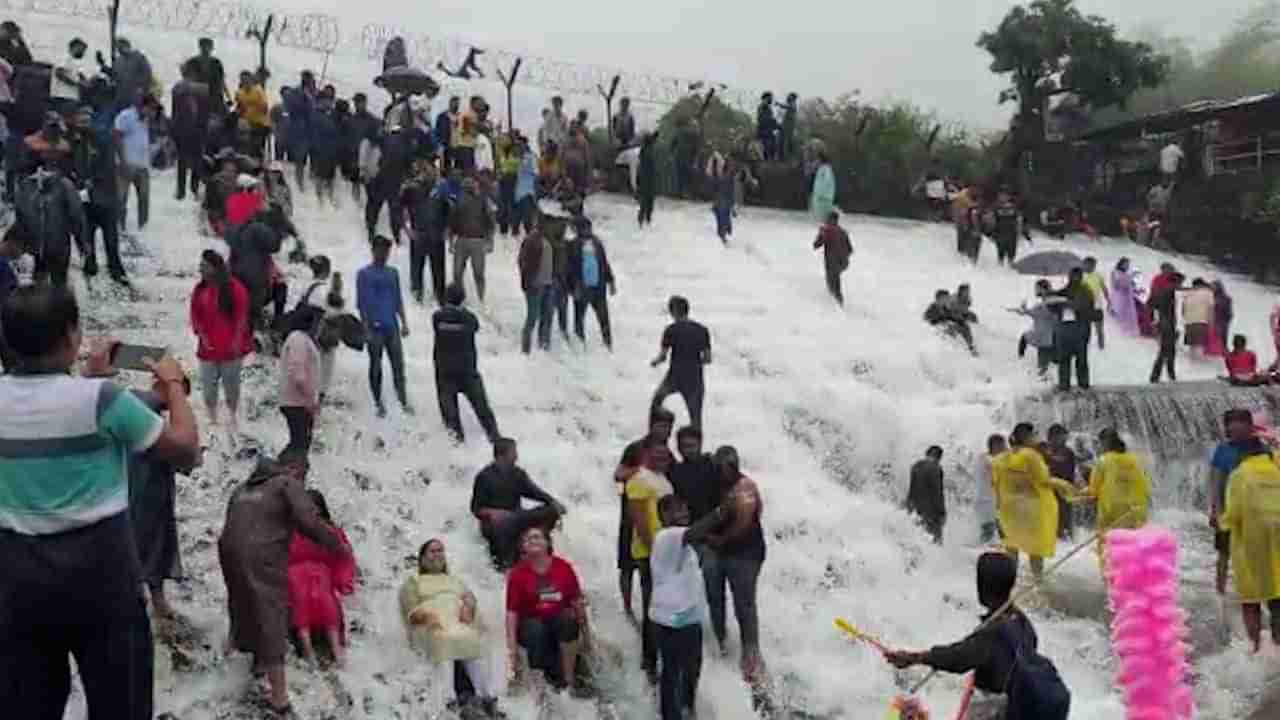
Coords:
827,406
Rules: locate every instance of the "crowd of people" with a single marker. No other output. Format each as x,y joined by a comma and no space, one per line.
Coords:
285,561
689,529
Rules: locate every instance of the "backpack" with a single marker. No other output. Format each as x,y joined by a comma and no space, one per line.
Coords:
1035,689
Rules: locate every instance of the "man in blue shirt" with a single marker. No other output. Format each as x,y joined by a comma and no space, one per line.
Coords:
133,138
1238,427
382,309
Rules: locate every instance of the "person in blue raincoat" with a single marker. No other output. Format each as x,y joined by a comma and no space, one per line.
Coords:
823,198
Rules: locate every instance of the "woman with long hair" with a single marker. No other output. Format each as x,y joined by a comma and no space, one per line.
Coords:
301,376
220,321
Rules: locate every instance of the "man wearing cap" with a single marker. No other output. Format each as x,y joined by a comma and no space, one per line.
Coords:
94,157
70,79
133,137
132,73
207,70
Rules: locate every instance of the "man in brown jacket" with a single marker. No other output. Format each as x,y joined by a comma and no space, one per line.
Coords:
471,226
836,247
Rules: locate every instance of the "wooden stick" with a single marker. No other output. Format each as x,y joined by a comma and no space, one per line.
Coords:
1035,585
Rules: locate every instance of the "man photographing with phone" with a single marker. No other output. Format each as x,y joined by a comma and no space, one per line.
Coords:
64,523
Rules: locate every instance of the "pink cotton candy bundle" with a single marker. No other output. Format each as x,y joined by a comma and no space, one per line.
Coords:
1148,629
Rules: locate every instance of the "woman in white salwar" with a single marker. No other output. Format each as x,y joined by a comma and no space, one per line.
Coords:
440,616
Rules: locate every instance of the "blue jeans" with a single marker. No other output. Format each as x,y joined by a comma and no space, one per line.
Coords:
539,304
741,572
724,220
387,339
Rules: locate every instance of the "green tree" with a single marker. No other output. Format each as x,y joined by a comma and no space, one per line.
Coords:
1049,48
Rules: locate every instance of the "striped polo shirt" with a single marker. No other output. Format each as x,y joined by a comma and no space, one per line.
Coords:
64,448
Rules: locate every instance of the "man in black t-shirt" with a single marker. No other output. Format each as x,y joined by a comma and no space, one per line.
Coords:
660,424
689,344
695,478
456,370
495,502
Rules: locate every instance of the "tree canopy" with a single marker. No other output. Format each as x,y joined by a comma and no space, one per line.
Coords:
1050,48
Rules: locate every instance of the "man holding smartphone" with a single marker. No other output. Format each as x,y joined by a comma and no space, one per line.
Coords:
64,526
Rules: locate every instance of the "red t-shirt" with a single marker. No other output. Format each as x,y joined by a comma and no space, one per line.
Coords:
1242,364
543,597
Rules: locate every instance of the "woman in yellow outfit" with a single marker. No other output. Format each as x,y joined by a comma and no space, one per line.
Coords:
1028,510
1252,516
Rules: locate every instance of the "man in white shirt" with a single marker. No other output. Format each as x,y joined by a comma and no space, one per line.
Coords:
69,79
678,605
984,497
1170,160
133,139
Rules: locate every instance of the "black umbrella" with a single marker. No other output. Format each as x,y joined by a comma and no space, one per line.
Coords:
405,80
1051,262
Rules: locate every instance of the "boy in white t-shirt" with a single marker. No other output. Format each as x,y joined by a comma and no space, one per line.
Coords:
678,606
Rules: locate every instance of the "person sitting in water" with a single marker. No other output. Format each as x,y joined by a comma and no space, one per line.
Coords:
1242,364
942,313
546,611
495,502
439,613
999,650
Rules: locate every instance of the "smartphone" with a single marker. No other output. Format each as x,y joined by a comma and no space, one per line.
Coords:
130,357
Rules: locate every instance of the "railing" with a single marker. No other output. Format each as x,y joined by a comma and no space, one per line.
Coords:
1237,156
322,33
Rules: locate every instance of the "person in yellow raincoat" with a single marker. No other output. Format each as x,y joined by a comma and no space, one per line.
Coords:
1028,509
1252,516
1120,485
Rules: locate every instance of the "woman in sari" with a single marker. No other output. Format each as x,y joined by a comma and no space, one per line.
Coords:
1124,301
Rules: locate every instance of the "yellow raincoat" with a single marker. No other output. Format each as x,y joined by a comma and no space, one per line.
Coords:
1120,485
1028,510
1253,519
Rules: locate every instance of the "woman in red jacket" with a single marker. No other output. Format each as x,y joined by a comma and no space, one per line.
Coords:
317,579
220,320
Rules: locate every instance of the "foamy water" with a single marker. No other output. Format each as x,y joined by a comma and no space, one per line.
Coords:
827,406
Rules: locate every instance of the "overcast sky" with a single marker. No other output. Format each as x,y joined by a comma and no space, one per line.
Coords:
917,50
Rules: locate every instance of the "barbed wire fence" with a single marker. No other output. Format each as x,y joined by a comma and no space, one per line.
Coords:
324,34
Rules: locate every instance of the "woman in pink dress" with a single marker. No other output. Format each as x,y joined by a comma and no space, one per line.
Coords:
1124,301
317,580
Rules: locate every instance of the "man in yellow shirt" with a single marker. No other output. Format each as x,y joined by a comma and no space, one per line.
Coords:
1098,288
644,489
253,108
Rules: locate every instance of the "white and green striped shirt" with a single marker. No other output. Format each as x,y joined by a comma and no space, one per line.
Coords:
64,448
